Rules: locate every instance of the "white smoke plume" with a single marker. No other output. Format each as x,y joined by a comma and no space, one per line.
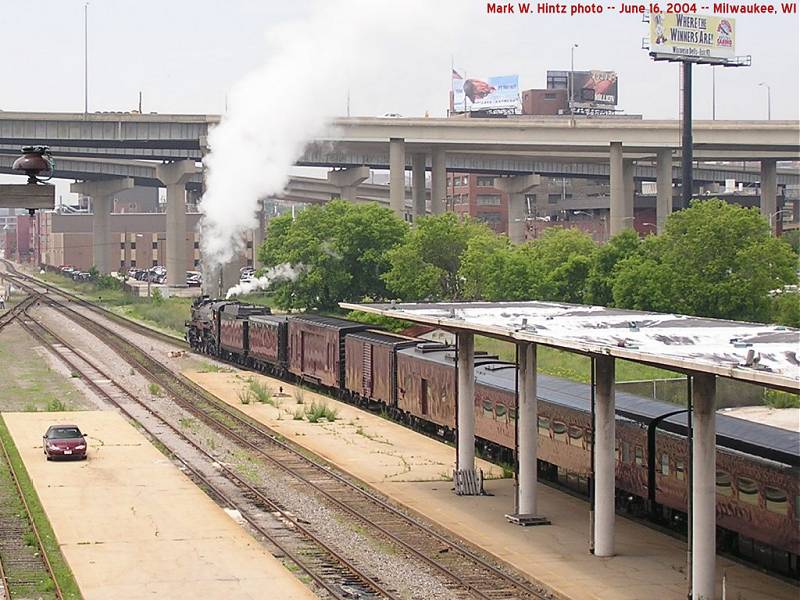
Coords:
388,54
282,272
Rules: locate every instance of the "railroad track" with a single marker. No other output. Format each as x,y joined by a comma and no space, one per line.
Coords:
16,310
25,570
464,570
328,568
12,273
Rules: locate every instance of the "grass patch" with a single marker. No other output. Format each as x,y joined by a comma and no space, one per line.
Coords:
245,395
299,395
154,389
320,410
299,414
778,399
61,570
209,368
261,393
56,405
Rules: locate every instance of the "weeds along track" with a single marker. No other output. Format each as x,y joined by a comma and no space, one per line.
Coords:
25,570
296,542
466,573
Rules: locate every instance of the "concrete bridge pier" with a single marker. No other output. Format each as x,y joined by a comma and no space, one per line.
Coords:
397,175
102,195
348,180
174,176
418,185
438,181
516,187
604,457
663,188
769,193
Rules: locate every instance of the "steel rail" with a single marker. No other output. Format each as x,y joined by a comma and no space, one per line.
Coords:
16,310
43,553
159,373
229,473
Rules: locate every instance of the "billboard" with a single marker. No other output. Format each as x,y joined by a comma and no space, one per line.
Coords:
595,87
489,93
692,36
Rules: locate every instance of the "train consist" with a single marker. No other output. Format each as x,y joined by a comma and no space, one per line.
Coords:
414,380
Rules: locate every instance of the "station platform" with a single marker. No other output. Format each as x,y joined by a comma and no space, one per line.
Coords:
415,471
132,526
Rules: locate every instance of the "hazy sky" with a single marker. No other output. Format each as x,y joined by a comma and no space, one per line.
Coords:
184,55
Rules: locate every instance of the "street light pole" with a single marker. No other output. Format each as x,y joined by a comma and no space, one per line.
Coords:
571,76
769,99
86,59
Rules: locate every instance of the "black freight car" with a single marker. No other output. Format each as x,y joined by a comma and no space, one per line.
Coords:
316,348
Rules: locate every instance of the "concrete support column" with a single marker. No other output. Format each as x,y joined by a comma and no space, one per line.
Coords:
466,402
630,193
604,458
175,176
259,234
102,194
527,429
418,185
348,180
617,184
438,181
516,188
397,175
704,476
769,192
663,188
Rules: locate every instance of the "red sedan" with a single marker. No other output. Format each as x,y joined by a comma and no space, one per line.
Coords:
64,441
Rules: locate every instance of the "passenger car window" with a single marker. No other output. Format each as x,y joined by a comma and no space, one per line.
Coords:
724,484
575,435
777,501
544,426
488,409
665,464
680,472
748,490
639,453
500,411
560,431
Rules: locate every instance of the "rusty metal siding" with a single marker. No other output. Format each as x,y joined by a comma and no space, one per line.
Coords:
441,383
232,334
268,341
313,352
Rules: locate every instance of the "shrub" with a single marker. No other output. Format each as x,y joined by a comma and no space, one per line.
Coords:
299,395
778,399
320,410
245,396
262,393
56,405
154,389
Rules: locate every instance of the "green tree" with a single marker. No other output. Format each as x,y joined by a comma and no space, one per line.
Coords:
714,259
340,251
600,281
786,308
426,265
484,265
562,259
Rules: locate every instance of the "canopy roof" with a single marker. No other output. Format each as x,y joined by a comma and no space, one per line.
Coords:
763,354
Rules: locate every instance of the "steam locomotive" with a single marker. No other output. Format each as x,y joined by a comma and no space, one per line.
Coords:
414,381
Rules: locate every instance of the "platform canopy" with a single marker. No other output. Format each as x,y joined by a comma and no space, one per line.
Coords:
764,354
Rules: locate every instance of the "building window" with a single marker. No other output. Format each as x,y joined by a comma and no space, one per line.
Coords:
488,218
777,501
680,471
121,265
724,484
122,245
549,96
133,245
748,490
544,426
639,453
249,245
133,263
553,198
155,263
626,452
500,411
665,464
488,200
155,245
196,245
196,262
488,409
486,181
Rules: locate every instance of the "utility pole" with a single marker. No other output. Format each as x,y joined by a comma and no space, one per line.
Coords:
686,139
86,59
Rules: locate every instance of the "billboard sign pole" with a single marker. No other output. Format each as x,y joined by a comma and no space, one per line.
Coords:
688,39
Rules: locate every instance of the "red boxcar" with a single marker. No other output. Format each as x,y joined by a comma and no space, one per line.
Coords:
233,329
316,348
371,364
268,337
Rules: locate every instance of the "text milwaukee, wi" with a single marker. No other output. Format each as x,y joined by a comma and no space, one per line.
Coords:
524,8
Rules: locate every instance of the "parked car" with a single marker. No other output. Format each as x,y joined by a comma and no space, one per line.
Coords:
64,441
81,276
194,278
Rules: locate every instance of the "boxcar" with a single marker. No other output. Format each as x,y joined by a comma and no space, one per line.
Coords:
371,364
233,329
268,336
316,348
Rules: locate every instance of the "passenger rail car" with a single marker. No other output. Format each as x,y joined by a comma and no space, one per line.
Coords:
758,466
